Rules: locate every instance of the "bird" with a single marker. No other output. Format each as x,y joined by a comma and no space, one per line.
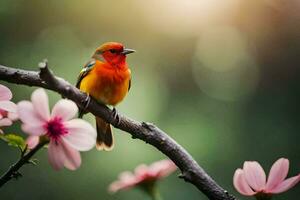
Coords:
106,77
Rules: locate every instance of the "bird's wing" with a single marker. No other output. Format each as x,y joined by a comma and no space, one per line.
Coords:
85,70
129,86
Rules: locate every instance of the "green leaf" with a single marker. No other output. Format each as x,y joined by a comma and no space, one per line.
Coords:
14,140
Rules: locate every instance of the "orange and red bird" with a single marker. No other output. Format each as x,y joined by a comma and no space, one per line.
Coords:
106,78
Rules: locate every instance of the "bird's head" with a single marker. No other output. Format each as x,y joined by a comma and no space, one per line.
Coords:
112,52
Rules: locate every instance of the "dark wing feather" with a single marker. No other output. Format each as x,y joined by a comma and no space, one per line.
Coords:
85,70
129,86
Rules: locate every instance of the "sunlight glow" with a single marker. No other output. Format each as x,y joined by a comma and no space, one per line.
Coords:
185,18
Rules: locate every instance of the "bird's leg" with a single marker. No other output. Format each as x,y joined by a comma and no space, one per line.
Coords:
116,116
86,103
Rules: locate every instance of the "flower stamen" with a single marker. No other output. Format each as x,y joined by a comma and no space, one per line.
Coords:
55,128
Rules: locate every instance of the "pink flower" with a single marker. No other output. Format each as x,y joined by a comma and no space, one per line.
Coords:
251,180
8,110
143,174
67,136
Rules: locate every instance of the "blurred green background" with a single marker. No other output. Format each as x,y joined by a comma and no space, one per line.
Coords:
220,77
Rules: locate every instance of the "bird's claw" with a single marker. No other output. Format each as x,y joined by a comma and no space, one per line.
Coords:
116,116
86,103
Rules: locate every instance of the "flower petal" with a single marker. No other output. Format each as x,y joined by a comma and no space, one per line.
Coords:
32,141
286,185
81,135
33,130
141,170
65,109
166,167
114,187
277,173
12,116
126,181
27,114
254,175
8,106
40,103
56,155
240,183
5,93
5,122
127,176
72,157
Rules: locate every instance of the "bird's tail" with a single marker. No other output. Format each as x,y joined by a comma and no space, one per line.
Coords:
105,139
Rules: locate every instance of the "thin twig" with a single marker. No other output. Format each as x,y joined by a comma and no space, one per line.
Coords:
191,171
13,171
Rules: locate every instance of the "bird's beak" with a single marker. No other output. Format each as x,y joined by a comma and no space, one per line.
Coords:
127,51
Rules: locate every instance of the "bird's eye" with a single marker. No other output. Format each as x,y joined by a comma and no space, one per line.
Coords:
113,51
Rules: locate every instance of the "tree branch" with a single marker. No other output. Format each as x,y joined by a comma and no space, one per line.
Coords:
13,171
191,171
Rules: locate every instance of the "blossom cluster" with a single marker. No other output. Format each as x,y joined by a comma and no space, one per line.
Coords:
66,136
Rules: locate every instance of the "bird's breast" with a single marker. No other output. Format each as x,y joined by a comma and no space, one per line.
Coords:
108,85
